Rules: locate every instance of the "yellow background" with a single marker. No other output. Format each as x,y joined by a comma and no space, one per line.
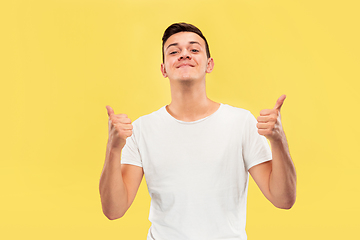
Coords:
63,61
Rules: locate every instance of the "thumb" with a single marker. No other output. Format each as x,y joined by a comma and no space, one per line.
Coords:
110,111
280,102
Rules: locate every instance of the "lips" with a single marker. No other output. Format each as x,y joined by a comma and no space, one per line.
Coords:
185,65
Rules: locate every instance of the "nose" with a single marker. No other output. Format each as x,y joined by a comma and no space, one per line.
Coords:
185,55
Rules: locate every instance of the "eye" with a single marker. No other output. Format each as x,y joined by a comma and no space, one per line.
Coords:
194,50
173,52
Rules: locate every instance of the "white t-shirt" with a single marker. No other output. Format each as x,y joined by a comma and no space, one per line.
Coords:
197,172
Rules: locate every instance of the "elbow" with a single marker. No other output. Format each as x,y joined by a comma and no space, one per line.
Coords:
113,215
286,205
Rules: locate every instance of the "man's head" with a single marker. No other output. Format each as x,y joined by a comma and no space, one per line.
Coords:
182,27
186,54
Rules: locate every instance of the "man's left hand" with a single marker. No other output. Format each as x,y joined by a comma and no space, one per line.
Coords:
269,122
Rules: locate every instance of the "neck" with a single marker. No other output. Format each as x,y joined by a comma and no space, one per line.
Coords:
189,101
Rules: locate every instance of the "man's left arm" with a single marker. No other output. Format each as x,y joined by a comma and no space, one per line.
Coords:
277,178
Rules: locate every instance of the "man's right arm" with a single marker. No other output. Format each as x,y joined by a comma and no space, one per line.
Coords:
118,182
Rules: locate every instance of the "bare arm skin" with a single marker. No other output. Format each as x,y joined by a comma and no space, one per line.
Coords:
277,178
118,182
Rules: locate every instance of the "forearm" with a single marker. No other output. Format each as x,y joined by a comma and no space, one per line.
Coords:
113,191
282,183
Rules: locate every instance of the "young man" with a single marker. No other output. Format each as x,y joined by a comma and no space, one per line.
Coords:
195,153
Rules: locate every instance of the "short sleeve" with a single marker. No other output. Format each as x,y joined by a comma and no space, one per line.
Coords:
256,149
130,154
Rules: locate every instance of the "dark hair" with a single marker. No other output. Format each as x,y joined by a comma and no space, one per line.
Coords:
182,27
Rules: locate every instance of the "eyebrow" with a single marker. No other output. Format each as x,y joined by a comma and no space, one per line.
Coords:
175,44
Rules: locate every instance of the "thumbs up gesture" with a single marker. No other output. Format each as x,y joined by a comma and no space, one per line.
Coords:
120,128
269,121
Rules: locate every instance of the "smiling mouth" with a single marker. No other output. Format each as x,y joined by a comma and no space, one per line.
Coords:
184,66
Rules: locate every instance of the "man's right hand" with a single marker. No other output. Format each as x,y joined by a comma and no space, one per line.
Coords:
120,128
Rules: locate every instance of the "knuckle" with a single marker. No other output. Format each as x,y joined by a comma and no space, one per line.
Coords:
124,120
127,133
114,121
120,116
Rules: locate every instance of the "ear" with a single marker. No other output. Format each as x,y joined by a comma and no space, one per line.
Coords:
210,65
163,70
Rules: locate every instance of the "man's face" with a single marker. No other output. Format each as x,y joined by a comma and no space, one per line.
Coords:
185,57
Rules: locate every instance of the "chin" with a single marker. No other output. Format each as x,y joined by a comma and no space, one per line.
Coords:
184,78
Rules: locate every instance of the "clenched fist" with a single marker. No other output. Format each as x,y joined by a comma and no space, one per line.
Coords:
120,128
269,121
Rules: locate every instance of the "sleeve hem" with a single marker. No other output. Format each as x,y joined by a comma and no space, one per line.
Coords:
131,163
258,162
